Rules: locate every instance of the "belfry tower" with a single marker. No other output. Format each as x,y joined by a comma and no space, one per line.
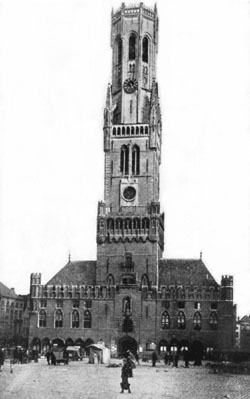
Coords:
130,227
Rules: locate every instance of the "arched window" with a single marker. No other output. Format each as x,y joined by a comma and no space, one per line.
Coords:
110,280
145,49
181,321
163,346
127,306
213,321
145,224
75,319
58,318
124,160
144,280
135,160
165,321
87,319
119,50
197,321
42,318
111,225
131,51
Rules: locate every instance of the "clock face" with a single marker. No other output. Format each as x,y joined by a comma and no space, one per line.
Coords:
130,85
129,193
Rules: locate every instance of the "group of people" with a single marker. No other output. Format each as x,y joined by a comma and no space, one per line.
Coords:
51,358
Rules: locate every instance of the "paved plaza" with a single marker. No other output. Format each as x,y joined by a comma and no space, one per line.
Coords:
91,381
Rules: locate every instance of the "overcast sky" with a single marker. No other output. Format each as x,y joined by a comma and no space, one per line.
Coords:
55,64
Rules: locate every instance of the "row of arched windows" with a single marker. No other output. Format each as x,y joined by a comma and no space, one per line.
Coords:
130,130
127,224
124,160
58,319
132,48
181,321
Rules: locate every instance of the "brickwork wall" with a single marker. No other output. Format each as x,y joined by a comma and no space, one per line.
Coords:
143,254
108,317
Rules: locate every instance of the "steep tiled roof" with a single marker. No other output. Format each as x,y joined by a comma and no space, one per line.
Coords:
74,273
245,319
185,272
7,292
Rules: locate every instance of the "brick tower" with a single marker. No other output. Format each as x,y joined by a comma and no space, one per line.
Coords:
130,227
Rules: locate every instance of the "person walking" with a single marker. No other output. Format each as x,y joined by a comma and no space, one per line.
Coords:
186,358
48,356
125,375
1,358
154,358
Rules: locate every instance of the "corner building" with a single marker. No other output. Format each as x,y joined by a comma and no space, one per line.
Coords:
131,297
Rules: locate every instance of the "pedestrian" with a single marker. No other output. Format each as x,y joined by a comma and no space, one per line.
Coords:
65,357
186,358
131,366
48,356
125,375
1,358
20,356
166,359
154,358
137,357
53,359
176,360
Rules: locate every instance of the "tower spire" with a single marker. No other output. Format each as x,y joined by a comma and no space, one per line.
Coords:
109,97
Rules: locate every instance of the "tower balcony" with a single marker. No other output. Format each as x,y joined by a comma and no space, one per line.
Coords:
130,130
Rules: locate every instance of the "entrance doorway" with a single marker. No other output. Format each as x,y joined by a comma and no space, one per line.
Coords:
197,352
125,344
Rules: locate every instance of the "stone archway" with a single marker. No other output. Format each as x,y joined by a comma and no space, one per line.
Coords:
197,352
45,344
127,343
58,342
69,342
184,345
36,344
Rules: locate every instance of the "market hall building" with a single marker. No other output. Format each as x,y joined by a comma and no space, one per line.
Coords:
131,297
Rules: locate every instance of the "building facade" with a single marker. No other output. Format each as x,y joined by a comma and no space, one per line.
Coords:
243,334
13,325
131,297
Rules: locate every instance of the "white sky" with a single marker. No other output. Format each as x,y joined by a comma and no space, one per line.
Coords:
55,64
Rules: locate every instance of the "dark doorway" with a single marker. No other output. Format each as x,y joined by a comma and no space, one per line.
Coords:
197,352
125,344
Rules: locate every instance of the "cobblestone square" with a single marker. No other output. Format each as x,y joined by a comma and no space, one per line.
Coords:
81,380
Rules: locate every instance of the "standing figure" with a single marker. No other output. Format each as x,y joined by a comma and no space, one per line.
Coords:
1,358
124,375
166,358
48,356
154,358
186,358
130,365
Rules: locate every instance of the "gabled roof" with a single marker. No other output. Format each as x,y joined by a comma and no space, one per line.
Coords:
7,292
185,272
245,319
75,273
